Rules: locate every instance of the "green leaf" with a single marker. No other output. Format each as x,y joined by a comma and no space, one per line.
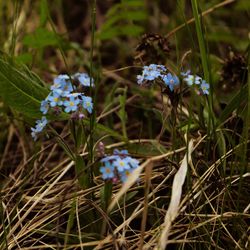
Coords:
126,30
82,173
101,128
21,91
119,7
120,20
41,38
24,58
147,149
126,16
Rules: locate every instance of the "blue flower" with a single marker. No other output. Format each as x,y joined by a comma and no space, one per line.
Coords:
120,152
171,81
84,79
121,164
133,162
44,107
40,125
125,174
151,72
107,171
140,79
55,98
191,79
34,134
71,104
87,103
204,87
59,82
109,158
66,88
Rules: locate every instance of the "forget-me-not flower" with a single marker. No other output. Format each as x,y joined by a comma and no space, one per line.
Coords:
107,171
55,98
122,165
44,107
87,103
133,162
204,88
150,73
192,79
71,104
59,81
40,125
125,174
120,152
84,79
109,158
171,81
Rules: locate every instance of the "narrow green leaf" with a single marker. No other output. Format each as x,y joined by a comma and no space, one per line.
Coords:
82,172
122,112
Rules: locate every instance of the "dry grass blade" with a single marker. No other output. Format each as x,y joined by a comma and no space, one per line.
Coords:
131,180
173,209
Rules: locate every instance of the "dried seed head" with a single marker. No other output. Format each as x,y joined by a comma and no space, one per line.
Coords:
152,48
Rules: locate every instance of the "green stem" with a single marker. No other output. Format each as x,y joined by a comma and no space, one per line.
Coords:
92,117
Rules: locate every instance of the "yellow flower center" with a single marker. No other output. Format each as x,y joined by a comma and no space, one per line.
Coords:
55,99
122,164
127,173
108,170
71,104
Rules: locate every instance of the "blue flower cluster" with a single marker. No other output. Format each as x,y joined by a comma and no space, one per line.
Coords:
64,97
196,80
118,166
154,71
